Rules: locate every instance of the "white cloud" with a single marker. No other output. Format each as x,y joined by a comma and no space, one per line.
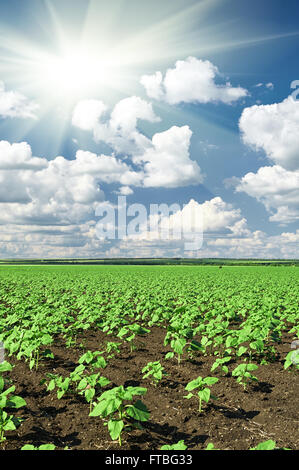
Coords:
15,105
120,130
60,191
87,113
162,161
125,191
270,85
18,156
211,217
226,234
274,128
277,189
167,162
191,81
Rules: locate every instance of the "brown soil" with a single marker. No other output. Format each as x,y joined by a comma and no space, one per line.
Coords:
237,420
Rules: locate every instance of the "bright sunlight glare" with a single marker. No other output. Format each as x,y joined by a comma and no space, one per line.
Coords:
72,74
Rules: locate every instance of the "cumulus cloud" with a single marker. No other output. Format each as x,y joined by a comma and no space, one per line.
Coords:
214,216
15,105
191,81
277,188
34,190
163,161
167,162
225,234
18,156
274,129
120,129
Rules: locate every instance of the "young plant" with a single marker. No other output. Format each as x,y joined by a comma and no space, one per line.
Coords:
180,445
220,362
266,445
62,384
112,405
88,386
41,447
132,331
7,400
242,372
94,360
154,369
203,391
112,348
178,343
211,446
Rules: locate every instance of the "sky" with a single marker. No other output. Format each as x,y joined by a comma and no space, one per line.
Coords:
109,110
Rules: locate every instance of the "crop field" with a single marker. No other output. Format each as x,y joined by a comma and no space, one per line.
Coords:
149,357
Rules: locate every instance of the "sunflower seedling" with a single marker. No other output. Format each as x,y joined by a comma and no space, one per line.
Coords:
180,445
7,400
154,369
41,447
242,372
220,362
202,385
112,404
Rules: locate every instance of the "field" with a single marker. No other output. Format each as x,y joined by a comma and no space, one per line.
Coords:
98,357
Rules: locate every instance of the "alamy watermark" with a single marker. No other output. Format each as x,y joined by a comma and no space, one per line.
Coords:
295,354
2,352
161,222
295,86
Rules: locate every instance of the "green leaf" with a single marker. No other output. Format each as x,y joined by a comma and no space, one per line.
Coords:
169,355
178,446
89,394
106,407
5,367
47,447
115,428
190,395
9,425
194,384
205,394
138,411
210,380
266,445
16,402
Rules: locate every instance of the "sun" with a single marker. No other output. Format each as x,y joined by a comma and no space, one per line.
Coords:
72,74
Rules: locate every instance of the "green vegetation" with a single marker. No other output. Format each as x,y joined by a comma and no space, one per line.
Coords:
236,316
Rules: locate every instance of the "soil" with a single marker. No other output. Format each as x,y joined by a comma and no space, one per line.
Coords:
237,420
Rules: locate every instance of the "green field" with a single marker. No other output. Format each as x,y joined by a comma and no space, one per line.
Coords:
237,322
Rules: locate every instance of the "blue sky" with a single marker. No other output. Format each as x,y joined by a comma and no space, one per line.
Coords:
163,102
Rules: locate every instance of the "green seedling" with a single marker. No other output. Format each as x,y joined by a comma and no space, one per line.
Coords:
112,348
220,362
62,384
129,333
242,372
112,404
202,385
266,445
180,445
178,344
41,447
211,446
7,400
94,360
154,369
88,386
